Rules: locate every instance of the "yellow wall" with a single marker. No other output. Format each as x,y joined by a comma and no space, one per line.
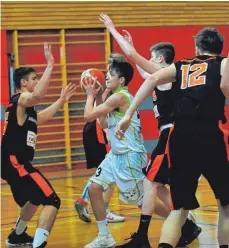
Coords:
52,15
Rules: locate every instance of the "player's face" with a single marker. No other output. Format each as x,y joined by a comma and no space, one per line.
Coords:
31,82
113,82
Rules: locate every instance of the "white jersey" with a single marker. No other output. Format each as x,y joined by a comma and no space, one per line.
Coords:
133,139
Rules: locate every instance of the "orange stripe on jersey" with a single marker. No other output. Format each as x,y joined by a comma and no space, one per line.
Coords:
167,146
108,148
42,183
99,132
19,167
155,167
197,59
226,138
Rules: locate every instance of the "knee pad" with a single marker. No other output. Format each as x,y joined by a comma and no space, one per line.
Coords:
53,200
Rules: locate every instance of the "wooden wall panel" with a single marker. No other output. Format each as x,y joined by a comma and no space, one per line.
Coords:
48,15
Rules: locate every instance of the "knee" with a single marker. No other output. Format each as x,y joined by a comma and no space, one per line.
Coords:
95,188
54,201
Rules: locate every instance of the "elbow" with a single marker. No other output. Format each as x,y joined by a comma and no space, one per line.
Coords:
37,97
87,118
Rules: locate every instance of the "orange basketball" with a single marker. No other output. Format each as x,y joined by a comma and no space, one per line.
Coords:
91,74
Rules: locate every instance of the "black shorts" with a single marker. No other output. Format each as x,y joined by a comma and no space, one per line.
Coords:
158,166
196,150
95,151
26,182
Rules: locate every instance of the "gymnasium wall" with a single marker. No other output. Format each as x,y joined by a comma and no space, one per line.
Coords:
183,40
79,41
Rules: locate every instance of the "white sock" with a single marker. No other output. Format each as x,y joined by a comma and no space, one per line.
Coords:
20,226
40,236
102,225
191,217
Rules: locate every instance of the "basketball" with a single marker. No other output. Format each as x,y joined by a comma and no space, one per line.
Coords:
90,74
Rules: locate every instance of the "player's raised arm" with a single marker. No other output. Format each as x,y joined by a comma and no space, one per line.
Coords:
28,99
165,75
49,112
126,46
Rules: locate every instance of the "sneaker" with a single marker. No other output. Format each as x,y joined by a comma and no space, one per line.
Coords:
188,237
19,240
113,218
102,241
82,210
42,245
136,242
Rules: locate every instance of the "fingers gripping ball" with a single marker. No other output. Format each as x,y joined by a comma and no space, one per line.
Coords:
89,75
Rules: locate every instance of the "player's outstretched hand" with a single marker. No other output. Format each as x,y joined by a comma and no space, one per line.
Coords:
122,126
68,92
107,22
48,54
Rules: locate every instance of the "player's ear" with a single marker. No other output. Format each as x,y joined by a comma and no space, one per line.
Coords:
23,83
161,59
122,81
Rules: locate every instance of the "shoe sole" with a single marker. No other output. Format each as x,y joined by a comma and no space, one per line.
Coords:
115,221
110,246
195,236
79,210
17,245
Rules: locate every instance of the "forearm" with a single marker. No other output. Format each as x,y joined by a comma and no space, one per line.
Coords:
103,119
142,93
124,44
49,112
42,87
143,73
88,107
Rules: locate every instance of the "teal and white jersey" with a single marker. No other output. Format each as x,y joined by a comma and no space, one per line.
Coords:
133,139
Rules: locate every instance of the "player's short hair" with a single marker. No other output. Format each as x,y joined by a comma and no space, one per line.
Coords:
165,49
21,73
116,57
123,69
209,40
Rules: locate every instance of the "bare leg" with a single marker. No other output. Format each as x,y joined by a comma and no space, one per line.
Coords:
47,218
223,225
171,230
150,202
28,211
107,196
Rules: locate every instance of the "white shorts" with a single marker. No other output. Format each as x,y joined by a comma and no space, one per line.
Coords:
125,171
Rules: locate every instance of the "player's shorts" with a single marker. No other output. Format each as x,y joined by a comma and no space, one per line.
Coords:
158,166
95,151
197,149
26,182
126,172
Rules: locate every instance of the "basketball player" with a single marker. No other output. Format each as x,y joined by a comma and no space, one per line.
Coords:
29,187
95,141
122,166
157,171
197,142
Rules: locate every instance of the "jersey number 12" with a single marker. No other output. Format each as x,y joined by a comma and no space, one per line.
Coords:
192,75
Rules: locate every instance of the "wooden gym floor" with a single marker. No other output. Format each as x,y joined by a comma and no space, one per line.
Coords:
69,231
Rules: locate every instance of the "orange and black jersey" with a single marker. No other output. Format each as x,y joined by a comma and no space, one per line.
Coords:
163,101
198,93
19,140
